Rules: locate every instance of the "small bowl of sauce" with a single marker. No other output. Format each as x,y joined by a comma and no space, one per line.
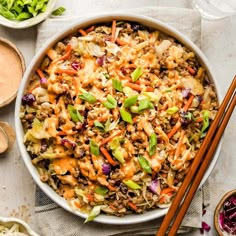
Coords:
225,214
12,66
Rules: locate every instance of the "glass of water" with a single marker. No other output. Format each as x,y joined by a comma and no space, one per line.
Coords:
215,9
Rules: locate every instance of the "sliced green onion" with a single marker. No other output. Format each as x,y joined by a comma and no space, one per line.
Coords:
131,184
118,155
95,212
74,114
88,97
102,190
144,163
59,11
99,126
205,123
168,90
134,109
107,76
130,101
152,144
136,74
126,116
145,104
110,125
110,103
172,110
115,143
94,148
117,85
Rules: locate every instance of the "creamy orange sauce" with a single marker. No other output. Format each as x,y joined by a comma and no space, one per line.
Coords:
64,164
11,72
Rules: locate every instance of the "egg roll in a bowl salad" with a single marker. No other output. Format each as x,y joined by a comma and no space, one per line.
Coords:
114,115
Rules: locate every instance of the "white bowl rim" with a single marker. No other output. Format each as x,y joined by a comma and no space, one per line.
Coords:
29,22
128,219
18,221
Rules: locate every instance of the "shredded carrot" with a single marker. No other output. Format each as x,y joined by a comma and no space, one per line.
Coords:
191,70
113,31
199,120
120,42
76,85
162,199
111,188
52,54
167,190
83,33
133,206
143,82
89,29
149,89
65,56
164,175
188,103
134,86
179,145
90,197
108,139
66,71
77,204
135,119
108,156
40,73
174,129
112,207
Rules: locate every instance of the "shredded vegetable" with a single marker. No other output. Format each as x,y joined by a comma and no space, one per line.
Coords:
118,121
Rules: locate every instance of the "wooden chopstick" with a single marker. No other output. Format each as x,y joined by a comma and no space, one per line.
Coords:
208,144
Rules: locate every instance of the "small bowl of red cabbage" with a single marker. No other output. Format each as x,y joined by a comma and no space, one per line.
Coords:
225,214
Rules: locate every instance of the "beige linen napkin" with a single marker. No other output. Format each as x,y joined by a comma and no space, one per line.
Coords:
53,220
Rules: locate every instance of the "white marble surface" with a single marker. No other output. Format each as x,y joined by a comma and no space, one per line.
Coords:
218,44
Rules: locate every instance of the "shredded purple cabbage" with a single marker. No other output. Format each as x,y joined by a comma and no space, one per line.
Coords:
154,186
227,217
185,92
100,60
68,143
75,65
28,99
106,168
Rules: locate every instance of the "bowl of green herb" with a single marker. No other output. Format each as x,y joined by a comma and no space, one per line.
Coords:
21,14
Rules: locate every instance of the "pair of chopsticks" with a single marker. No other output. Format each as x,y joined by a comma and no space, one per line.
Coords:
199,166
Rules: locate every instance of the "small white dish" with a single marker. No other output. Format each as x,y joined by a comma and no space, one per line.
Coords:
29,22
23,226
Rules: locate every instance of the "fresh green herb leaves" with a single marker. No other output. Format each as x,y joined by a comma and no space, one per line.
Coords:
110,103
74,114
88,97
94,148
145,104
117,85
136,74
144,163
102,190
126,116
59,11
131,184
22,9
172,110
152,144
95,212
130,101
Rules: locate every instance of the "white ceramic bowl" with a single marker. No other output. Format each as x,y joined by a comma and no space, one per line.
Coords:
24,227
29,22
129,219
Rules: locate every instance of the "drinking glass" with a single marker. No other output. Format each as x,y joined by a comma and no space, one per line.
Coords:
215,9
